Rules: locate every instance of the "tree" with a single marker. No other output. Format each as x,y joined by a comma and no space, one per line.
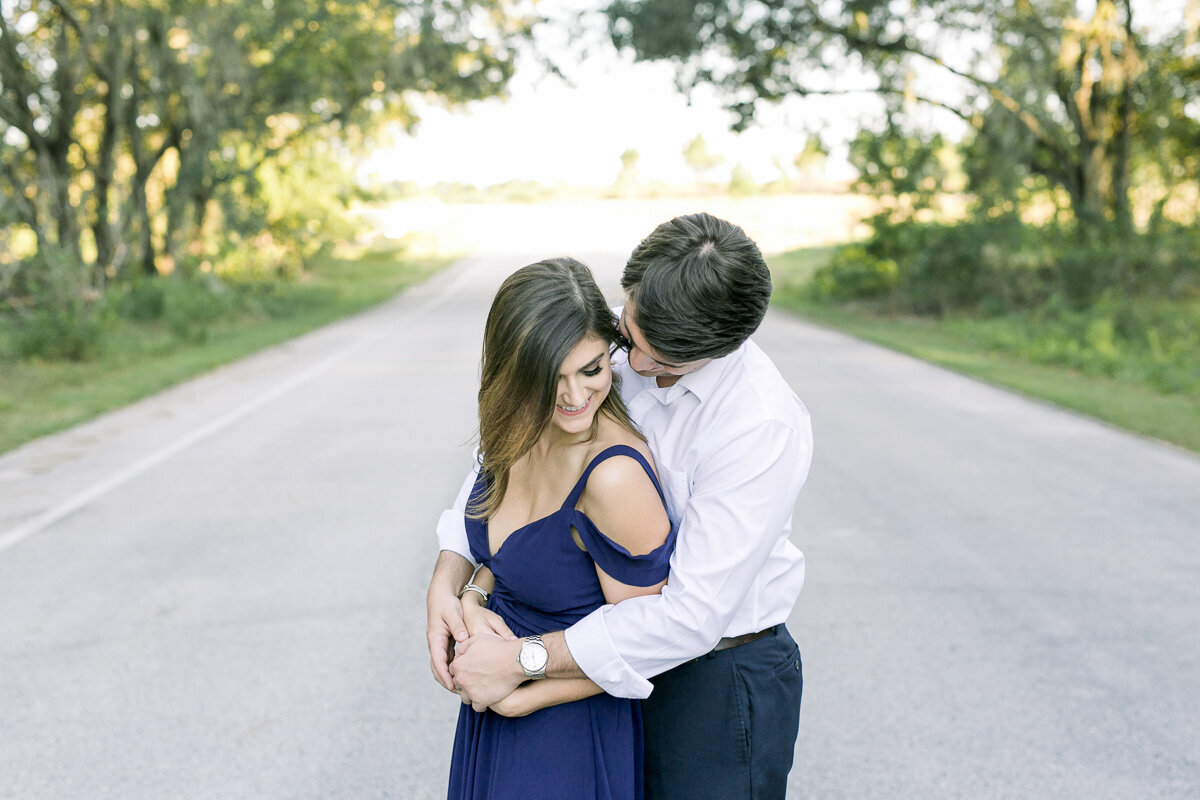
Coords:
127,124
699,159
1068,97
627,177
741,181
810,161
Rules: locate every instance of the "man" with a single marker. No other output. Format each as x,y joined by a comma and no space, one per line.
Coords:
732,444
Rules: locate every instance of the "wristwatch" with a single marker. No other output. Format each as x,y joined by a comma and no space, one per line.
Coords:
533,657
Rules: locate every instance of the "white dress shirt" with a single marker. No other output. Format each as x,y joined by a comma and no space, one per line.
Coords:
732,444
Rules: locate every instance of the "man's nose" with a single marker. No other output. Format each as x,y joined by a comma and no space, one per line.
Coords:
640,361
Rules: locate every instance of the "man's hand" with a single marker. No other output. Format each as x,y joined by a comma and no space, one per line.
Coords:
444,614
486,669
444,627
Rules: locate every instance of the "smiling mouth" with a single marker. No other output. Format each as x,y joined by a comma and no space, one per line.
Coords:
574,411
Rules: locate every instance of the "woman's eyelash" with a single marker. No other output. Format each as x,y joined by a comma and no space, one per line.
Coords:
591,373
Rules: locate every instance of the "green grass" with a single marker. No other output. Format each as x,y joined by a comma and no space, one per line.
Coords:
140,358
1045,356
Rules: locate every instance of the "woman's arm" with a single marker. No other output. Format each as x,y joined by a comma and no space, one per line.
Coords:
530,696
623,503
536,695
476,615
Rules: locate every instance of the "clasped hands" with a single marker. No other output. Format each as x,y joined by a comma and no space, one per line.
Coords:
474,654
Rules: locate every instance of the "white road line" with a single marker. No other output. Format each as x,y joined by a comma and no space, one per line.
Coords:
50,516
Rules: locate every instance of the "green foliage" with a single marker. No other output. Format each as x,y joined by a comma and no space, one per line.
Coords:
143,356
1137,337
191,306
895,164
64,316
149,135
854,274
143,300
1086,98
1028,351
1002,265
741,182
73,332
699,158
811,160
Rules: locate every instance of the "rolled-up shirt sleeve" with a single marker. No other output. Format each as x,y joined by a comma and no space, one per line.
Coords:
451,526
739,512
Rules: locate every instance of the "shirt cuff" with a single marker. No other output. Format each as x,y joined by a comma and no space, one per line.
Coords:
594,653
452,534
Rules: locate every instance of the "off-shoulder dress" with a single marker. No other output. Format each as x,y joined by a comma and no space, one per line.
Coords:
590,749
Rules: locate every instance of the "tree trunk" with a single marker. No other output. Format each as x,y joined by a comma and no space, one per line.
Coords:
1124,145
105,164
58,165
145,230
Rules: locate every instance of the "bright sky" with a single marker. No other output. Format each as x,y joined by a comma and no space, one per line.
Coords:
550,131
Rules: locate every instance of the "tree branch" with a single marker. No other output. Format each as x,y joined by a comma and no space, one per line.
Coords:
16,194
16,82
85,40
905,47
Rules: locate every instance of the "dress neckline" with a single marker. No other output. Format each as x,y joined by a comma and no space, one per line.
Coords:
573,495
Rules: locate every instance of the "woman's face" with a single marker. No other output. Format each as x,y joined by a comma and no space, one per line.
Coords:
583,382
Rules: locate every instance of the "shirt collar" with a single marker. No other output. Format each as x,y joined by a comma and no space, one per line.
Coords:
703,382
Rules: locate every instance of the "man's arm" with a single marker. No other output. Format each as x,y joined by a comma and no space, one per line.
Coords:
486,667
741,501
624,503
444,619
452,526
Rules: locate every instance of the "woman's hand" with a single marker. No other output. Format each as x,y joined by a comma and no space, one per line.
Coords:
482,620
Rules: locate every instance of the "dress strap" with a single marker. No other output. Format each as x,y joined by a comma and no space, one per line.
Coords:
604,455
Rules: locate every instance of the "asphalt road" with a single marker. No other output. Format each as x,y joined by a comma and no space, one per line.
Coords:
218,592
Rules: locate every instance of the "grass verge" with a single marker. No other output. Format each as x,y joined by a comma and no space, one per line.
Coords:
969,345
140,358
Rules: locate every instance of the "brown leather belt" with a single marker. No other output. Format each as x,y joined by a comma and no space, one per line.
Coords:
745,638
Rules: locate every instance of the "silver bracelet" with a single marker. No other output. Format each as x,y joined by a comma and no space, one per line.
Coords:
470,587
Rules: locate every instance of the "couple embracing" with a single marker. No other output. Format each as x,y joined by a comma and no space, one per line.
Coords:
614,578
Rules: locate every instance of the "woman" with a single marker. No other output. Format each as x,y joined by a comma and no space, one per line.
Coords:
566,515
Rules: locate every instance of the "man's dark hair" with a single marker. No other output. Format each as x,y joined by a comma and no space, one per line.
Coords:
699,287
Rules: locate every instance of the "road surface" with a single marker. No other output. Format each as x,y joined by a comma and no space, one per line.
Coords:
218,592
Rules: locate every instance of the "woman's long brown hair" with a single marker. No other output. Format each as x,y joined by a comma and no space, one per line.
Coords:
539,314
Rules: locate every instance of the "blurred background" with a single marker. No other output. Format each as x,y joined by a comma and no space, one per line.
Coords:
218,591
1008,189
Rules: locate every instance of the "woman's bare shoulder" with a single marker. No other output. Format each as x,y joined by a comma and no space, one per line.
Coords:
621,499
610,433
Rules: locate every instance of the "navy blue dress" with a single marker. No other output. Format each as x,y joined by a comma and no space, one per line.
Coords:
591,748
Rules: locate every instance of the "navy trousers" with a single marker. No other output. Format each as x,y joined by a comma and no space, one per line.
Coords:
724,725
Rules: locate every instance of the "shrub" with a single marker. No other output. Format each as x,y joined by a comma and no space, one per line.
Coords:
63,317
191,305
144,300
63,333
854,274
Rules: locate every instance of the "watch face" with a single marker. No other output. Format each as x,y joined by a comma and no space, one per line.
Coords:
533,657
